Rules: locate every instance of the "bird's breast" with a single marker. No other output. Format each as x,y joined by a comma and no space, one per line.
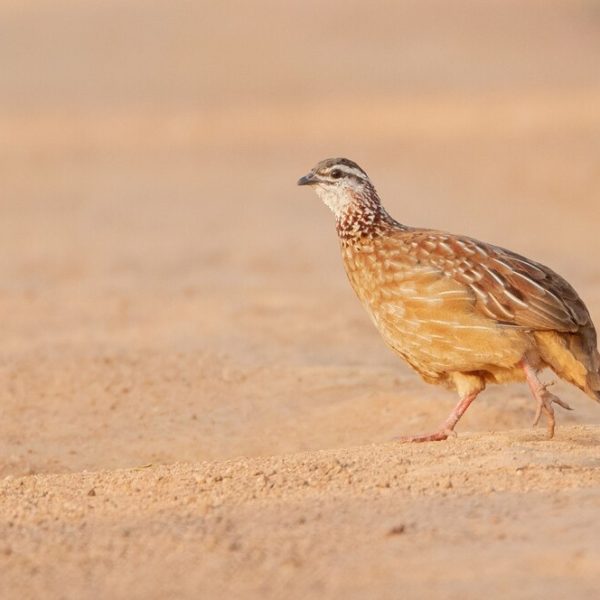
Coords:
376,272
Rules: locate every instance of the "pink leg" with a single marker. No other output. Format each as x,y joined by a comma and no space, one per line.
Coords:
544,398
447,427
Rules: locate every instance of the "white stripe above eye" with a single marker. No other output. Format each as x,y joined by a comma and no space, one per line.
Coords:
348,170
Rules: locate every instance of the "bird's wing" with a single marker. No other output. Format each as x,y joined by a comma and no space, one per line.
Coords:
506,287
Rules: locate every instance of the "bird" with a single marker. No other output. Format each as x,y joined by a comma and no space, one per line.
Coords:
461,312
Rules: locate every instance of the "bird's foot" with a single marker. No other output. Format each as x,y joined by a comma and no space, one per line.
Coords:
545,400
543,397
438,436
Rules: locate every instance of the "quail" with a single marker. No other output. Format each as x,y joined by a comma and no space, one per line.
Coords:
461,312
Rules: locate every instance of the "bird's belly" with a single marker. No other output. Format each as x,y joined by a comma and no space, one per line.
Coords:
435,346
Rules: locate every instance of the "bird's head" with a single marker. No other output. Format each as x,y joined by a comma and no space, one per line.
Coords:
339,182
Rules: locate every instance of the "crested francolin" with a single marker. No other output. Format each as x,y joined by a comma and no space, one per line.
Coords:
462,313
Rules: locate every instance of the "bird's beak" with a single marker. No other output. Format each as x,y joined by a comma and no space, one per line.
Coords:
308,179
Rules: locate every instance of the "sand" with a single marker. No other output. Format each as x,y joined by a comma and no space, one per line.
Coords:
193,403
505,514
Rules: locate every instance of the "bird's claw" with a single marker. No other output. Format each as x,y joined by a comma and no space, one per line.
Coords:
438,436
545,401
538,414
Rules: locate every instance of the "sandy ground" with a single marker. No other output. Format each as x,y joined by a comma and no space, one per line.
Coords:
192,401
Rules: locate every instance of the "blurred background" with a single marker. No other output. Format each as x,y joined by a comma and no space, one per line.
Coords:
168,293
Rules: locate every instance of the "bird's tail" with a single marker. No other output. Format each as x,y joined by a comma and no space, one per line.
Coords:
593,385
574,357
583,347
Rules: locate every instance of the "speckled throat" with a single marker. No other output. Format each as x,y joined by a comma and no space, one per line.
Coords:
365,217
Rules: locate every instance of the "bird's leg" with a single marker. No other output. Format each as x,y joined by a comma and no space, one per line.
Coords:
447,427
544,398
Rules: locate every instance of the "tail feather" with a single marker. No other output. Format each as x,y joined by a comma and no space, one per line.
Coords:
583,347
573,357
593,385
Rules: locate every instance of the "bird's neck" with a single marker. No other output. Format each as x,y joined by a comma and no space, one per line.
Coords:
364,217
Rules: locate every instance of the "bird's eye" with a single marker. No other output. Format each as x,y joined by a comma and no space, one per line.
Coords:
336,174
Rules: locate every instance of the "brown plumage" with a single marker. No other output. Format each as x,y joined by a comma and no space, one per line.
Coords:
461,312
